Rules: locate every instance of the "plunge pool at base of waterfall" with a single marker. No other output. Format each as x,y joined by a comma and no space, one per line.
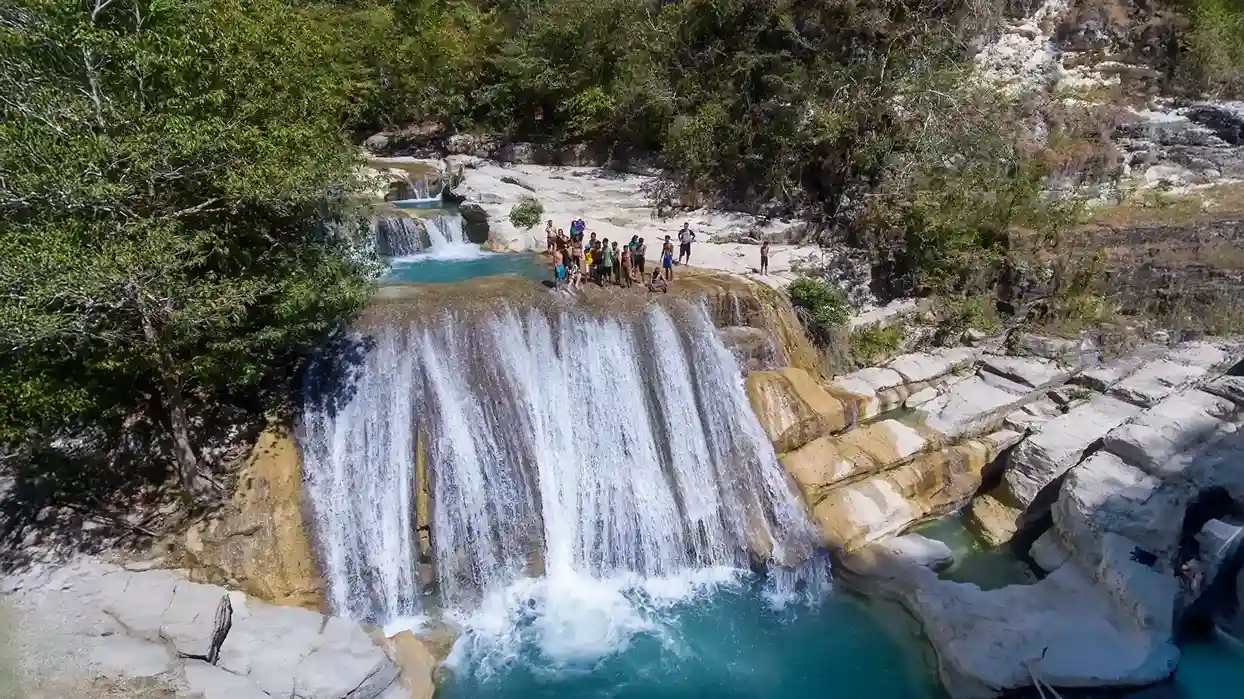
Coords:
727,643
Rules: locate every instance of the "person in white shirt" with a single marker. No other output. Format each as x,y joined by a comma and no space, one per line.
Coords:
685,238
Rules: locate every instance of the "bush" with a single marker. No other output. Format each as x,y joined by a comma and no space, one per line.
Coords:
820,300
874,343
526,213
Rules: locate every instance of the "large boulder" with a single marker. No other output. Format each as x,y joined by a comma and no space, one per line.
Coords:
1067,629
794,409
1060,444
474,222
259,542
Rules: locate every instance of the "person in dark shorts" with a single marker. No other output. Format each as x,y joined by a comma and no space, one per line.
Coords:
616,258
764,257
685,238
637,257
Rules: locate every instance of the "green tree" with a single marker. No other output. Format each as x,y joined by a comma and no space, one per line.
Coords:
176,228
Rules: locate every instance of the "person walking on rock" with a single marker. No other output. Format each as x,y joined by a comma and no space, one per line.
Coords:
685,238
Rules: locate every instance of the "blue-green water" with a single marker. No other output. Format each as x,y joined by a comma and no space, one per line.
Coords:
731,644
428,269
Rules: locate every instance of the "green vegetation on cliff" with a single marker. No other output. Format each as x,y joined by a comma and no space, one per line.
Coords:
175,175
174,228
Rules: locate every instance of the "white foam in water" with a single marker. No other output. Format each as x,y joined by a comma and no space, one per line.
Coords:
619,456
447,241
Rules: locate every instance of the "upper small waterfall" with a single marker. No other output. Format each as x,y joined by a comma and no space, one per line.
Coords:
440,236
551,441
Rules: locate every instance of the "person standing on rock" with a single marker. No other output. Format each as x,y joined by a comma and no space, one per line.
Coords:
625,277
549,236
667,259
559,267
640,250
685,238
606,260
764,257
617,264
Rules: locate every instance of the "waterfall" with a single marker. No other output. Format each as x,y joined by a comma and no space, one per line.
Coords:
437,237
588,448
399,235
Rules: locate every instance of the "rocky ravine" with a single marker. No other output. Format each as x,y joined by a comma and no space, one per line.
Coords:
1125,455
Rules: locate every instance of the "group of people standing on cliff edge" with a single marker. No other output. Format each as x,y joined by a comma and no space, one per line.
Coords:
576,262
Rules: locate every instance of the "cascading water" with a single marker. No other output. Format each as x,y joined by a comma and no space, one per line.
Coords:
399,235
414,239
609,452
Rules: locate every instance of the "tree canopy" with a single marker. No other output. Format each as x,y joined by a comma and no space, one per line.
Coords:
175,220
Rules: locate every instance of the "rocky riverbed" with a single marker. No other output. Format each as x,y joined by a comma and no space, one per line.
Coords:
1116,475
89,628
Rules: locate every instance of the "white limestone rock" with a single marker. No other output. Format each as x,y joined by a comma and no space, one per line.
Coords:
1032,372
869,403
921,366
967,406
921,397
1229,387
1032,416
1154,438
921,550
90,619
1102,377
1015,388
214,683
1060,444
1155,381
1065,626
1146,595
1103,495
878,378
1062,350
1048,551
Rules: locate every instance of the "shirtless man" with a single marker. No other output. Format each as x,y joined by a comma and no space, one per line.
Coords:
549,236
559,267
667,259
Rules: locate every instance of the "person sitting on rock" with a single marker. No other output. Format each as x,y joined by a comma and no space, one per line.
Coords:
658,283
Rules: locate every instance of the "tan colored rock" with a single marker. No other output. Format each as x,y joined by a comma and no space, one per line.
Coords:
415,663
993,519
258,541
793,408
884,504
825,461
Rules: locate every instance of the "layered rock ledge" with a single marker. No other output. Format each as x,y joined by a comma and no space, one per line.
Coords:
1106,471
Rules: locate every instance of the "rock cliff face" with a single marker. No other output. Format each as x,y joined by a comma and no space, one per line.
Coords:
258,543
1134,461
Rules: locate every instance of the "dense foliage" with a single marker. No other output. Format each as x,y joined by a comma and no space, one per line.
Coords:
175,232
526,213
820,301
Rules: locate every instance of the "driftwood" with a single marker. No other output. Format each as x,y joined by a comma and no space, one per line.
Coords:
224,622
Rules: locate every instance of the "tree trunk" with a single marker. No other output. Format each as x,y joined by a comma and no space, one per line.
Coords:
188,466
